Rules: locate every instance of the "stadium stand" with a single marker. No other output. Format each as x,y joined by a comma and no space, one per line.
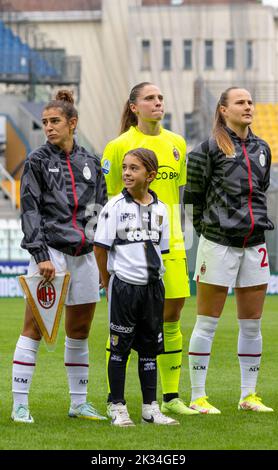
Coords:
265,125
21,64
17,59
10,239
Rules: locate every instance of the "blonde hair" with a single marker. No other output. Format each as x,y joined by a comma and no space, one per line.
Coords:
219,132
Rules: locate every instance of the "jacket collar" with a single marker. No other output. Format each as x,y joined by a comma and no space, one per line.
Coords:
57,150
235,137
128,197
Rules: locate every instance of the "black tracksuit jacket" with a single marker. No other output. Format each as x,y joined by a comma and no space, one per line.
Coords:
229,193
61,197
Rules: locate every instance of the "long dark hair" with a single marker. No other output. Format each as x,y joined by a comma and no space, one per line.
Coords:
65,101
219,132
128,117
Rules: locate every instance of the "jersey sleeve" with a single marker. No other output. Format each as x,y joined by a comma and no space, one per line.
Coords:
182,177
112,168
31,202
266,181
106,227
165,235
101,190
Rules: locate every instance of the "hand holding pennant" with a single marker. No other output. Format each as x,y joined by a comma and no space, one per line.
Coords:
46,300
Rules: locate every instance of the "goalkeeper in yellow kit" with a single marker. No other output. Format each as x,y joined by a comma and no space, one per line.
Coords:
141,127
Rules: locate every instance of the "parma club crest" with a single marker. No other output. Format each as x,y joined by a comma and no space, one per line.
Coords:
114,339
159,219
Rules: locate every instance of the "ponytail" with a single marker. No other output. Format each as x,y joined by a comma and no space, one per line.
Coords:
128,118
219,132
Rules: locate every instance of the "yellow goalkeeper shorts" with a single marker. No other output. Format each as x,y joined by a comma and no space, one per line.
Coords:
176,278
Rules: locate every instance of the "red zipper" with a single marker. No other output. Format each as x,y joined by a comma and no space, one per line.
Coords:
250,194
74,220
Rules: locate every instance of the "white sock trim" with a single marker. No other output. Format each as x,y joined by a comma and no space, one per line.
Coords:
205,327
76,343
250,328
24,342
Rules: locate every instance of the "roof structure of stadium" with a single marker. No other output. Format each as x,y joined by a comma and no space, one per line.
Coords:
49,5
195,2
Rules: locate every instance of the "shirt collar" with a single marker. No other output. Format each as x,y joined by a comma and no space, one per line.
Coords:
128,197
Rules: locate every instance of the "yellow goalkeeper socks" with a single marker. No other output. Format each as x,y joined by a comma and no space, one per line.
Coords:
169,362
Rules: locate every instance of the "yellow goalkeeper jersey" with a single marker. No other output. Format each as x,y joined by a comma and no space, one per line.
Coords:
170,149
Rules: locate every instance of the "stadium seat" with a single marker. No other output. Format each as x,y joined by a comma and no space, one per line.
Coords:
265,125
17,58
4,239
10,240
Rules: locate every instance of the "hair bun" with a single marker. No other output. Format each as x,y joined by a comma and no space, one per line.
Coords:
65,95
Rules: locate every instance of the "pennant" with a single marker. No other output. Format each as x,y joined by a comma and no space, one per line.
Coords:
46,300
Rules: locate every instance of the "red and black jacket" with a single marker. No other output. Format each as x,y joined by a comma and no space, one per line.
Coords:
61,197
229,193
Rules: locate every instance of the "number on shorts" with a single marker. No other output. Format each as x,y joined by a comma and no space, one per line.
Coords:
264,262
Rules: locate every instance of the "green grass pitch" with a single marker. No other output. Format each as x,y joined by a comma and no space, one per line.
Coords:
49,399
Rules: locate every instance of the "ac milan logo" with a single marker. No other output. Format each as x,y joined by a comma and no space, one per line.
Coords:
87,172
262,159
176,154
46,294
203,268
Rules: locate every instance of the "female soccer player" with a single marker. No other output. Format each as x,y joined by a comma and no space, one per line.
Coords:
228,176
133,228
59,181
141,127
